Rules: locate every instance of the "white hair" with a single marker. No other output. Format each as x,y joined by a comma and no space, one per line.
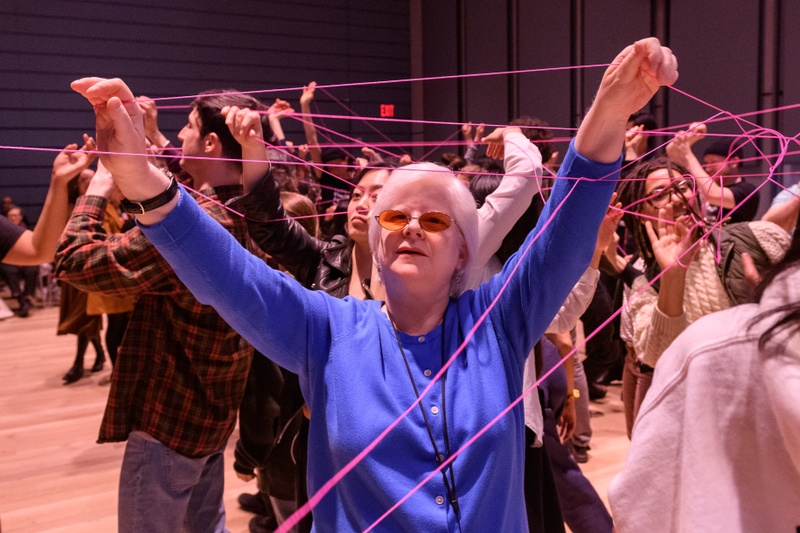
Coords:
460,205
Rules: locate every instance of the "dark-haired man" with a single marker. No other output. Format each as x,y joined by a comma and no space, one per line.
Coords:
181,370
722,162
719,181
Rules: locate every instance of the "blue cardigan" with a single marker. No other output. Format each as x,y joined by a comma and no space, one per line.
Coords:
355,381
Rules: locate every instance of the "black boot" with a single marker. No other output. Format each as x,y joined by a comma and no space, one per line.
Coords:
100,358
24,306
75,373
98,363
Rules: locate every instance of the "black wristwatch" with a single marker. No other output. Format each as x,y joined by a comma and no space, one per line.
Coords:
139,208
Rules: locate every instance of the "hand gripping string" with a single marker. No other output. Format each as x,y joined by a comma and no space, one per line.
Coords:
770,176
531,388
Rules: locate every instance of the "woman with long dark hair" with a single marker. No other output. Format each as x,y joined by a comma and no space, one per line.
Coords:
716,445
681,281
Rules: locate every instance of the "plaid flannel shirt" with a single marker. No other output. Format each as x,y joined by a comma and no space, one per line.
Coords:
181,370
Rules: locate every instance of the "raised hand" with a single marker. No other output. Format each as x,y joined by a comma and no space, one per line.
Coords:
150,111
245,125
120,125
679,149
371,155
69,163
280,109
672,242
466,131
308,94
478,133
494,141
636,74
635,142
696,132
627,85
122,142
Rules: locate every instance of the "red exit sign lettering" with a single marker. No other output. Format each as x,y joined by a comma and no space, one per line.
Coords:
387,110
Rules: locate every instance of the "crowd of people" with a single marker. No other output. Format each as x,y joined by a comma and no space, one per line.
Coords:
396,339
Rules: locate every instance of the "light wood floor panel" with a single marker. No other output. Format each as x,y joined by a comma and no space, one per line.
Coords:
54,478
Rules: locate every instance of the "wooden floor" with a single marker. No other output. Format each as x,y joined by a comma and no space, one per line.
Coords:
55,478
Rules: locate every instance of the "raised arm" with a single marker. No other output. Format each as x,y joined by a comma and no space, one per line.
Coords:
504,206
627,85
39,246
276,234
260,303
563,242
785,214
246,127
276,112
679,150
309,128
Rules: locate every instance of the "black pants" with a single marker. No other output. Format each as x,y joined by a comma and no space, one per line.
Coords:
12,275
602,350
117,323
541,496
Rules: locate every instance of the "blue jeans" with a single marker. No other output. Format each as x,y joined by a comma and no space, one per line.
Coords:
161,490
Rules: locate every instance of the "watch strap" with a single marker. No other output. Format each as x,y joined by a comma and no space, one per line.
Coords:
139,208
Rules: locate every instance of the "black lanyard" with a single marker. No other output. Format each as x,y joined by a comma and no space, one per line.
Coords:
449,485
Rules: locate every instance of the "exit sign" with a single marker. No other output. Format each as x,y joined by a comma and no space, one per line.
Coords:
387,110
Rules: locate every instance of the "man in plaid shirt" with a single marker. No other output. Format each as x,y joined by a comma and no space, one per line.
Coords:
181,370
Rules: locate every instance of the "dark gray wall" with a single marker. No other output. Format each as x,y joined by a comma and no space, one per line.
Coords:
183,47
187,46
720,47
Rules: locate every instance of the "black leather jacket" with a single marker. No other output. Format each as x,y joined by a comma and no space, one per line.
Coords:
316,264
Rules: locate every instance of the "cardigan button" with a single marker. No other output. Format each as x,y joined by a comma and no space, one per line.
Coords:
439,500
427,372
435,410
421,338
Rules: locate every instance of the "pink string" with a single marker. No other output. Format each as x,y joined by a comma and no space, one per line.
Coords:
356,115
429,122
428,153
353,139
396,81
328,486
747,136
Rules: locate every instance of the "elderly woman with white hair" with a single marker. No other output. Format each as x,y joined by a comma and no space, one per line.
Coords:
363,363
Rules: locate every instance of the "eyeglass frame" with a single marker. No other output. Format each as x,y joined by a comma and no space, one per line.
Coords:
418,218
669,190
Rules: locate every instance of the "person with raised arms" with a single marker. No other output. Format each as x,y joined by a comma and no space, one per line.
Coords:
423,238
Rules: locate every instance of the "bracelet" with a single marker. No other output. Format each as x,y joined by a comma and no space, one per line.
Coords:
139,208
